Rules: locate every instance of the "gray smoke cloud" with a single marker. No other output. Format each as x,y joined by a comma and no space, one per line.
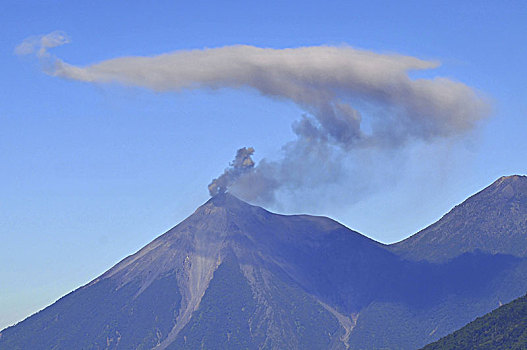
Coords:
354,100
39,44
242,164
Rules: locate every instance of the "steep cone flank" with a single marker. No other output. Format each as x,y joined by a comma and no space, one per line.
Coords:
272,260
493,220
235,276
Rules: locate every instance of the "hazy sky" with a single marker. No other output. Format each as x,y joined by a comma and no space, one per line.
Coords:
92,171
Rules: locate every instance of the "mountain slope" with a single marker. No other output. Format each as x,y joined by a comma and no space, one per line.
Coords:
503,328
101,316
236,321
233,275
493,220
438,299
172,288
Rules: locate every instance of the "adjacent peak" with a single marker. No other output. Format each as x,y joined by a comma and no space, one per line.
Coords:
492,221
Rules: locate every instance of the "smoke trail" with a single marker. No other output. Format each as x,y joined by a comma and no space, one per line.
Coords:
241,164
354,101
40,44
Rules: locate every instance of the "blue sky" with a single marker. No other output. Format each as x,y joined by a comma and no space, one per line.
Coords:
91,172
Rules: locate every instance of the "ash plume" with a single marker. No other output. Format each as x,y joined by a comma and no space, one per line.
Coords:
39,44
241,165
354,100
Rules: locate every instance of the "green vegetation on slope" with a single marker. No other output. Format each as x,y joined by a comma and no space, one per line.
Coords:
503,328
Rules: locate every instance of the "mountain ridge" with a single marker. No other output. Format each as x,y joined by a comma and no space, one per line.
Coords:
188,256
235,275
493,220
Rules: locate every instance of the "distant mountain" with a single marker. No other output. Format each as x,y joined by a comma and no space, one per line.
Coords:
503,328
492,221
235,276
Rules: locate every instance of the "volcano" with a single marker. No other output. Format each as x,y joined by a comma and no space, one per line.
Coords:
493,220
231,275
235,276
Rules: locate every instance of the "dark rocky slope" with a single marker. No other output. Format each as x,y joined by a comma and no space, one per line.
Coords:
493,220
236,276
